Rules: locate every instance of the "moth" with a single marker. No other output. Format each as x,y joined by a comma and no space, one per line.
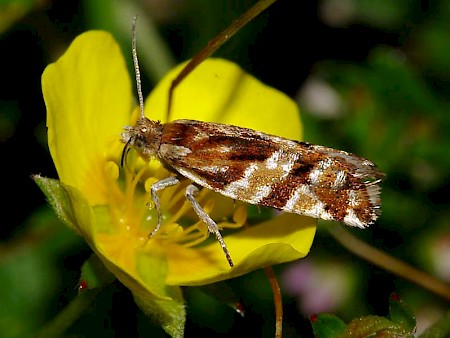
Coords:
256,168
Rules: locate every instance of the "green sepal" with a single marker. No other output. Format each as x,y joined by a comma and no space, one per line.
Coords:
94,273
169,314
58,198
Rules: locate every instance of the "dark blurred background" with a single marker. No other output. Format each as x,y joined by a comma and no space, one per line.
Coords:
371,77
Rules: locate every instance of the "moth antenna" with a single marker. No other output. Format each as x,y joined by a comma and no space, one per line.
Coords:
136,68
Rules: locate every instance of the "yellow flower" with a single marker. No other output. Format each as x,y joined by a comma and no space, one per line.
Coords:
89,99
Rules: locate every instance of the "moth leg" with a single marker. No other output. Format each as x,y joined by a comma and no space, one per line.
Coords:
160,185
190,193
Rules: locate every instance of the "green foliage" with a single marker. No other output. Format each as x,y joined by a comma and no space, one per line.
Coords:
401,314
401,323
327,326
31,274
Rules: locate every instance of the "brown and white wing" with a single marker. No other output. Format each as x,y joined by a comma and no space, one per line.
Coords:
272,171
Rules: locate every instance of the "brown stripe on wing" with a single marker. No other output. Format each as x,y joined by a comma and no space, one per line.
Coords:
317,194
219,179
349,187
212,139
283,190
332,188
335,202
211,152
234,149
324,185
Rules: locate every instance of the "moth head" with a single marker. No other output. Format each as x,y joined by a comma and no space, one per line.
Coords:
144,137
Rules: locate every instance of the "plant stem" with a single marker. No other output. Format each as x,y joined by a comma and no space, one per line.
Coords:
71,313
389,263
277,301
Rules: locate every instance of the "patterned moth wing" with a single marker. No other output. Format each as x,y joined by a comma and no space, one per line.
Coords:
272,171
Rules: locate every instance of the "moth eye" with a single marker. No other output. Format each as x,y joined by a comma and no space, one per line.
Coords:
139,142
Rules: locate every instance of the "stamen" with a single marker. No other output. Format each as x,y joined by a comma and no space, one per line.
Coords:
130,210
194,234
112,170
240,216
173,196
131,181
197,228
191,241
112,174
183,210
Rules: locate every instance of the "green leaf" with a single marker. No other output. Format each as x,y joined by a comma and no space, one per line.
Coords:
327,326
374,326
401,314
30,275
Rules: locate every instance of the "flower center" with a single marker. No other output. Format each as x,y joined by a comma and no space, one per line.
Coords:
134,216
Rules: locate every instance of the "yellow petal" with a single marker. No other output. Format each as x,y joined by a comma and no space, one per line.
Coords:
220,91
88,97
282,239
